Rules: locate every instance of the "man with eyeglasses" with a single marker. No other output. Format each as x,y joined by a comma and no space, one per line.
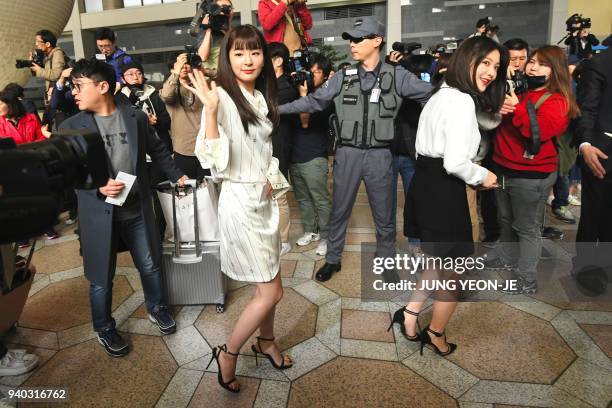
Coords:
109,52
54,60
106,227
367,97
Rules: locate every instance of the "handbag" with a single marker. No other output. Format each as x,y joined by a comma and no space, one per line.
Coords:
208,221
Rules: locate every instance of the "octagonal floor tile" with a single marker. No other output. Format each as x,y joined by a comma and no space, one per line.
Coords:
347,282
287,268
354,382
601,335
295,319
498,342
124,259
58,258
363,325
97,380
209,393
65,304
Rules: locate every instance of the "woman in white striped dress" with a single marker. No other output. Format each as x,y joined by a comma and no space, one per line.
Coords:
234,139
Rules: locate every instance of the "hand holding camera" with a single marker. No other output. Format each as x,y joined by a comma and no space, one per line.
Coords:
178,65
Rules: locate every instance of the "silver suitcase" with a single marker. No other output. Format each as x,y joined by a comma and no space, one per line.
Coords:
191,271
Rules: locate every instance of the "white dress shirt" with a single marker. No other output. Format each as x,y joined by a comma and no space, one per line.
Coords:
448,129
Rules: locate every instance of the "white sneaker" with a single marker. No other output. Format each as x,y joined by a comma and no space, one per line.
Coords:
17,362
307,238
549,200
285,248
322,248
573,200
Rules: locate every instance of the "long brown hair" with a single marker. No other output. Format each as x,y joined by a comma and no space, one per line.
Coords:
461,72
247,37
560,80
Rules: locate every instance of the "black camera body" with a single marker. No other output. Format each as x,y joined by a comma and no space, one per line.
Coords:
576,22
517,83
298,67
416,63
218,18
405,48
193,58
38,58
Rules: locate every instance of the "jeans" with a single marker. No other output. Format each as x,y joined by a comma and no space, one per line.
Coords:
309,182
521,207
561,191
403,165
133,233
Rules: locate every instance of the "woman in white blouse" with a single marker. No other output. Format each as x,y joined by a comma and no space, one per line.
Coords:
234,139
436,209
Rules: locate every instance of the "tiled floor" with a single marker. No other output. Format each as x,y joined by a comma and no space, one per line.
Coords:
540,351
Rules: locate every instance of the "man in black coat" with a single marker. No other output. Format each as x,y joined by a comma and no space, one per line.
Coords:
127,137
594,133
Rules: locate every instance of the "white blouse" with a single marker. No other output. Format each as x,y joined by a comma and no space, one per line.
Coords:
448,129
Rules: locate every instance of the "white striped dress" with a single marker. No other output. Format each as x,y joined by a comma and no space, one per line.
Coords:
248,223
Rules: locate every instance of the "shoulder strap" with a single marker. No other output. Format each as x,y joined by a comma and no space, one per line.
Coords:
542,99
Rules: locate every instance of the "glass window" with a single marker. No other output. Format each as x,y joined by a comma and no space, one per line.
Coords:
92,6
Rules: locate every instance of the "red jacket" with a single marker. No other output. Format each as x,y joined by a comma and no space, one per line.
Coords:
515,128
28,129
273,20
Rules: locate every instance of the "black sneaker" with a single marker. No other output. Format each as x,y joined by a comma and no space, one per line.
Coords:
552,233
163,320
113,343
522,287
497,265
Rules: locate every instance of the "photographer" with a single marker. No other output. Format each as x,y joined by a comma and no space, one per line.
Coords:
309,164
526,160
580,39
367,100
482,27
216,24
62,99
282,135
185,112
146,98
109,52
286,21
54,59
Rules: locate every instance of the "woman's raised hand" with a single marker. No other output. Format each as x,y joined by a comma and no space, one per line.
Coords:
208,95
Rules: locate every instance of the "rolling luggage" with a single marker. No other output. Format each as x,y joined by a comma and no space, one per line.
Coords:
191,271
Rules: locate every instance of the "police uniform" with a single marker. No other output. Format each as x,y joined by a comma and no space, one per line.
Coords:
366,103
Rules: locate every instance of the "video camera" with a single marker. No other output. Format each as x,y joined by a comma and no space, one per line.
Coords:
299,68
38,58
576,22
218,18
517,83
416,63
34,177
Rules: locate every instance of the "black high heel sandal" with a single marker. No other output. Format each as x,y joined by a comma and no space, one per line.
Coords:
426,339
282,365
215,356
398,317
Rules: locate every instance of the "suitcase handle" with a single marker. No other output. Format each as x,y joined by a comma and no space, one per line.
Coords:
177,258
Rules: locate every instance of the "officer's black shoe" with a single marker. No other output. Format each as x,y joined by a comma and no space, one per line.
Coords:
326,271
113,343
163,320
390,276
552,233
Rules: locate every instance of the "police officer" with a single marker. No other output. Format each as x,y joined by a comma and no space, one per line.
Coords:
367,97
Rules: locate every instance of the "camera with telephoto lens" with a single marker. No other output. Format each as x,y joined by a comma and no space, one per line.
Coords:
576,22
418,64
38,58
517,83
218,17
299,68
193,58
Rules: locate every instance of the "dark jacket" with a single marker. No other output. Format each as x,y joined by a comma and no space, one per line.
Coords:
594,95
96,216
576,48
406,128
282,135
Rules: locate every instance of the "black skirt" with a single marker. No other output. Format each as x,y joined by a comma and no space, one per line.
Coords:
437,212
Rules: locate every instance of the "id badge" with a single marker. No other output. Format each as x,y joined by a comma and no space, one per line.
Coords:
375,95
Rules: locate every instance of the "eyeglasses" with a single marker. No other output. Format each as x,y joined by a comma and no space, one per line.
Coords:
357,40
76,86
134,75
